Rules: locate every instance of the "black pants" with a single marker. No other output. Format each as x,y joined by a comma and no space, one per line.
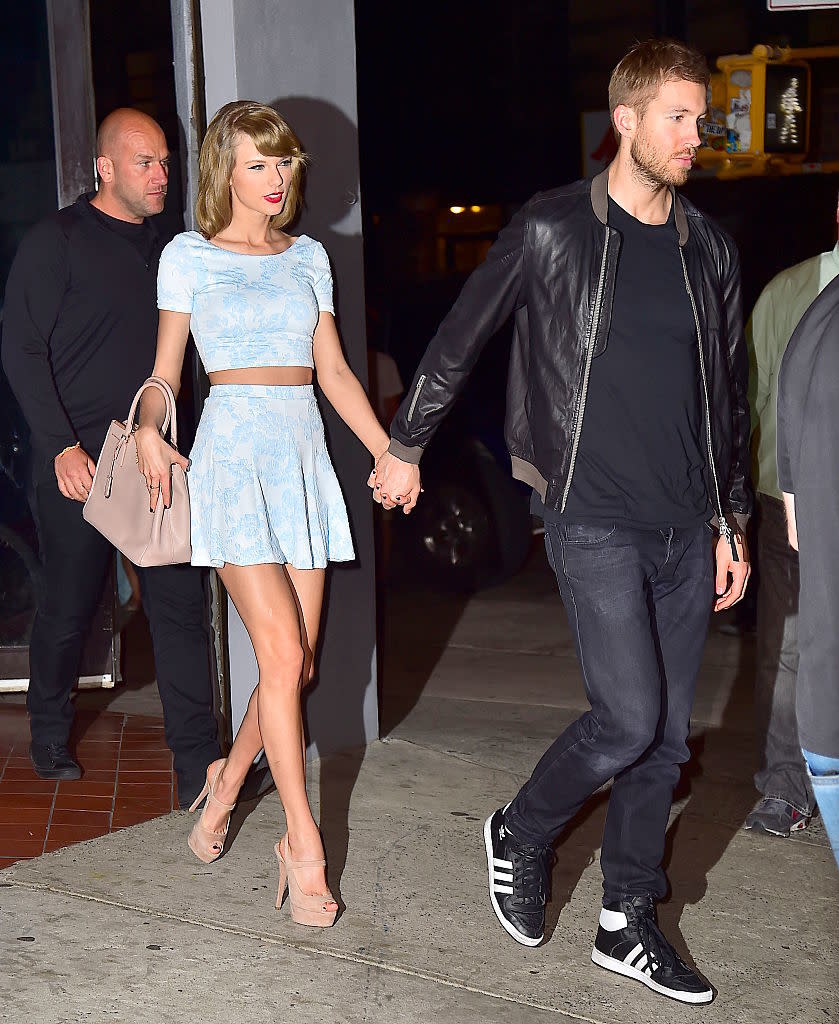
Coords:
75,560
782,772
638,602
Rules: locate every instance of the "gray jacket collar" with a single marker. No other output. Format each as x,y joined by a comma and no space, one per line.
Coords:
600,204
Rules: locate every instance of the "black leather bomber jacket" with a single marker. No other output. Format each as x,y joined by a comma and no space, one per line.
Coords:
554,267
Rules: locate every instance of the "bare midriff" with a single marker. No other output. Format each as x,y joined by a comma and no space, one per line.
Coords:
271,375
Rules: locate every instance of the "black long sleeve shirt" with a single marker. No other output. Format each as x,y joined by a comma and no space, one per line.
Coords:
80,323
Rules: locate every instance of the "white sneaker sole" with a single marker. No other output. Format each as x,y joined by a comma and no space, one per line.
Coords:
619,967
525,940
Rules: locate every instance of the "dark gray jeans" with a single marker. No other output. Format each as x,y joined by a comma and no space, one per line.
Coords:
638,602
782,772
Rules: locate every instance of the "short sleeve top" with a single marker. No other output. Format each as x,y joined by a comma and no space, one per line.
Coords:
247,310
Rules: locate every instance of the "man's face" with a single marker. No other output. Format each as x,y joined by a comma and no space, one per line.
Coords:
140,171
666,137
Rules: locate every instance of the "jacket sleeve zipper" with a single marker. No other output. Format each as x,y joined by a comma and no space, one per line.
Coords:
417,390
590,342
725,529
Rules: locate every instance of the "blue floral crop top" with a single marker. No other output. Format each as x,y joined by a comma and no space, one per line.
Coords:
247,310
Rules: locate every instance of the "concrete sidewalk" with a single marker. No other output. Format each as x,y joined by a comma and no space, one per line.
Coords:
132,928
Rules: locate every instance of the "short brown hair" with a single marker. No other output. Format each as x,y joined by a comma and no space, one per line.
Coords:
271,135
648,65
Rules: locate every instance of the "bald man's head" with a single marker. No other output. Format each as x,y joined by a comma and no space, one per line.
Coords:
133,165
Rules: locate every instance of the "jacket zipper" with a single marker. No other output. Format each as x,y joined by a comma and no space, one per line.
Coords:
592,336
725,529
417,390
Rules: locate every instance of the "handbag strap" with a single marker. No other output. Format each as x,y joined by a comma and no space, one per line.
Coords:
171,407
170,417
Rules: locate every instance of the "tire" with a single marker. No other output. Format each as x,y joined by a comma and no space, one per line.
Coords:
19,582
453,536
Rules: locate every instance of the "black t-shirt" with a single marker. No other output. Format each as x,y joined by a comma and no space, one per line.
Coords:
80,323
641,458
142,236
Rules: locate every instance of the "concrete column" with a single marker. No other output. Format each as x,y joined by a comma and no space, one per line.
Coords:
74,122
300,58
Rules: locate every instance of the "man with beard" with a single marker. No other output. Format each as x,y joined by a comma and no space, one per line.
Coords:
627,414
78,340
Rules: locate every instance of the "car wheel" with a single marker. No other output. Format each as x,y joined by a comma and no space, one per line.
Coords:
454,534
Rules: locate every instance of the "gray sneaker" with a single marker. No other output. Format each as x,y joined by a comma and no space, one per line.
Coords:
777,818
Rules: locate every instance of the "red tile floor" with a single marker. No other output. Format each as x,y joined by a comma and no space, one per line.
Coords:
127,768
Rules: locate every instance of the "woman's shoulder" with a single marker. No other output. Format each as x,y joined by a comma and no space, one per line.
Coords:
184,246
312,251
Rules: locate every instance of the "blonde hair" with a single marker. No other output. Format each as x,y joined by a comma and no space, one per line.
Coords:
648,65
271,136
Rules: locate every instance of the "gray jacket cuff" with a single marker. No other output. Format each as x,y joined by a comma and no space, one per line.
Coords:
412,455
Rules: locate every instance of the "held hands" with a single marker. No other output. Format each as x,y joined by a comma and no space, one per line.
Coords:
154,460
395,482
729,593
74,470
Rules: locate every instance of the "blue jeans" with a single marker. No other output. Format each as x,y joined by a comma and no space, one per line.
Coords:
824,777
638,602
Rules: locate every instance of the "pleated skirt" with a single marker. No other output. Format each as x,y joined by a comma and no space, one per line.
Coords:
262,487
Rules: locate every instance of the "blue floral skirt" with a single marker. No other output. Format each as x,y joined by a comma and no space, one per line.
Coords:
261,484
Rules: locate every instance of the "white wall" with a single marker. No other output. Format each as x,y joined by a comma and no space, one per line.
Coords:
300,57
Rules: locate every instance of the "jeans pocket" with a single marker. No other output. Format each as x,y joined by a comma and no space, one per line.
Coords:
579,535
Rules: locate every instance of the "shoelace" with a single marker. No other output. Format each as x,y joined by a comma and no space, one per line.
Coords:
531,873
659,951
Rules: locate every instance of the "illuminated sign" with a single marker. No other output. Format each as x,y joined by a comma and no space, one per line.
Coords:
795,5
785,126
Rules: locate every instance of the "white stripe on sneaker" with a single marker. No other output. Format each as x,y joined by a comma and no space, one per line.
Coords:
634,954
628,971
493,863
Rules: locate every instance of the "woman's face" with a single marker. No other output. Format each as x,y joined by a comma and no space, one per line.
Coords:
259,183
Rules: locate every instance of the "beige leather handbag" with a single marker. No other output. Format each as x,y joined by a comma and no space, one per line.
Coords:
118,503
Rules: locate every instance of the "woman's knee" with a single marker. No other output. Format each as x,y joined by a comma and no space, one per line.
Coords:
282,665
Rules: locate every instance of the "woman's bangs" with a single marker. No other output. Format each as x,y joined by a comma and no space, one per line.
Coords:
269,139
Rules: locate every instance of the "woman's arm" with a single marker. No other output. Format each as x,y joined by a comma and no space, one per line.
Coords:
343,390
154,456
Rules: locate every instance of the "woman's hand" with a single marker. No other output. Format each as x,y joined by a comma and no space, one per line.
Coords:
155,459
395,482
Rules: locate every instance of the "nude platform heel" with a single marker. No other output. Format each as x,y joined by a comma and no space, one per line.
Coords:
204,843
305,909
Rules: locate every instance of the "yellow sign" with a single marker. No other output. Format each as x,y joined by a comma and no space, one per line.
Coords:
758,119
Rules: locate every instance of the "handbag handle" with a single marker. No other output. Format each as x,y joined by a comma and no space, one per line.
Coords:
171,416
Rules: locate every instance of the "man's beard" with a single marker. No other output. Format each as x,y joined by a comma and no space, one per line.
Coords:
654,170
141,204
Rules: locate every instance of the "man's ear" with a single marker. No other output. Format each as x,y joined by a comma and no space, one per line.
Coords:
625,120
105,168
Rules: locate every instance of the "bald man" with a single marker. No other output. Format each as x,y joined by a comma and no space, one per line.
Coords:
78,340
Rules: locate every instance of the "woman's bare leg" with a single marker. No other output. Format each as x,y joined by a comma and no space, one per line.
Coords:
279,606
308,592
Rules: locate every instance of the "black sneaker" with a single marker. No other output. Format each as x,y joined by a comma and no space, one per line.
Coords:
629,942
519,876
776,817
53,761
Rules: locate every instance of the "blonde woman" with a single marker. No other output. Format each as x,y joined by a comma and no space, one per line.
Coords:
267,511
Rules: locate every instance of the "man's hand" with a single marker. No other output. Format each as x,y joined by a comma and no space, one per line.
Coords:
395,482
792,528
74,471
729,593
